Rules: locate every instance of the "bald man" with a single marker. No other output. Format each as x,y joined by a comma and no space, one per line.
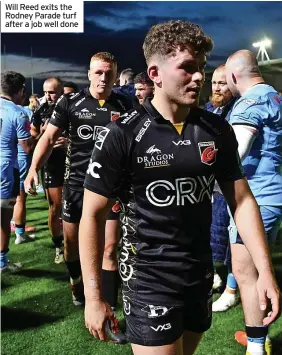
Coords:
55,166
257,121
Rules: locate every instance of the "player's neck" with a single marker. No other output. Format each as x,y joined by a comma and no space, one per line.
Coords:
250,83
170,111
7,97
103,96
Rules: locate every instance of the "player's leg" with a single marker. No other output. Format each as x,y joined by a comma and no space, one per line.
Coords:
53,182
72,208
9,190
19,215
175,348
246,276
110,275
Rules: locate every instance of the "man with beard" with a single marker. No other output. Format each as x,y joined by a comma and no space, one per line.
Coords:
84,116
221,103
54,167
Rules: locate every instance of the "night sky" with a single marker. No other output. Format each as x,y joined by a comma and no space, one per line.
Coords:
120,27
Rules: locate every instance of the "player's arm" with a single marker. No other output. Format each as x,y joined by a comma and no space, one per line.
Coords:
44,147
247,217
23,131
102,181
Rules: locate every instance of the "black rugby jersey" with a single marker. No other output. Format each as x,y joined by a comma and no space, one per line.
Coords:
83,117
166,210
41,114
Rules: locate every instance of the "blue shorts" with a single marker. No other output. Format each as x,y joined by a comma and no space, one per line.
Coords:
24,165
9,180
219,230
271,217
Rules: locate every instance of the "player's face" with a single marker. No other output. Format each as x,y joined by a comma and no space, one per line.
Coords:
143,90
33,103
102,76
181,77
221,94
52,91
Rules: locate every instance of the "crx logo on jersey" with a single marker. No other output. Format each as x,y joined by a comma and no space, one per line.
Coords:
164,193
207,152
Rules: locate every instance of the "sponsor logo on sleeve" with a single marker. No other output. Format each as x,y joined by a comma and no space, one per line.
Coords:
143,130
250,101
92,169
207,152
127,117
79,102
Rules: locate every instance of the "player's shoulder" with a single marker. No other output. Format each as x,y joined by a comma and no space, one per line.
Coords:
210,121
125,101
73,99
129,122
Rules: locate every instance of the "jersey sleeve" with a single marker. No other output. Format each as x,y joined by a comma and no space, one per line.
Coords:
105,172
249,112
228,163
22,125
60,115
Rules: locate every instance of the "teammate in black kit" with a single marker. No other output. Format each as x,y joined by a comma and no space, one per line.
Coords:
161,160
54,168
83,116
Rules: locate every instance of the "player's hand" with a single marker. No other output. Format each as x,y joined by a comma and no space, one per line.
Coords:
32,178
269,297
97,313
61,142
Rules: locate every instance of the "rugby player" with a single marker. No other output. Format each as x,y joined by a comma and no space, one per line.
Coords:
83,116
162,162
15,128
55,166
221,103
144,87
257,122
70,88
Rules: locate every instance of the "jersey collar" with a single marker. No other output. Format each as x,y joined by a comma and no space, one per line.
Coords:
87,93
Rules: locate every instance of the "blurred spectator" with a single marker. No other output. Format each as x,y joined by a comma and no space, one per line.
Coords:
144,87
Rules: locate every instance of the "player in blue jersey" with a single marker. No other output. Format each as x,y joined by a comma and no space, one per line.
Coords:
14,129
257,122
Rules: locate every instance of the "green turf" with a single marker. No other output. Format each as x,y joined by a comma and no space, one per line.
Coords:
38,316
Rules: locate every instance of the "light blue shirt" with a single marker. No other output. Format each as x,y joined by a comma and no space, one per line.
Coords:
261,107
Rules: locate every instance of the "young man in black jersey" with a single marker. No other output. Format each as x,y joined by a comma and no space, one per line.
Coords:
83,115
161,160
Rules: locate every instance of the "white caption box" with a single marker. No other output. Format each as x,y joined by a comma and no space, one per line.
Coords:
42,16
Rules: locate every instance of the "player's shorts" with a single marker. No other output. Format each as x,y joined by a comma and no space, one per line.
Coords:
219,230
54,176
271,217
72,206
24,165
155,325
10,181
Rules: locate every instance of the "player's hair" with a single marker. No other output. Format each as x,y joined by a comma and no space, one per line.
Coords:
54,78
35,96
165,38
128,74
105,57
70,84
12,82
143,78
220,67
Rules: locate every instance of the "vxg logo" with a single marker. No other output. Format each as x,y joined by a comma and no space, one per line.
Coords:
163,193
91,167
160,328
185,142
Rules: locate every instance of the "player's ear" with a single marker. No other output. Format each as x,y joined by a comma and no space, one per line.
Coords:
154,73
234,78
89,75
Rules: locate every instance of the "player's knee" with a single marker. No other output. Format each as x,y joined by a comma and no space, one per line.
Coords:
55,209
